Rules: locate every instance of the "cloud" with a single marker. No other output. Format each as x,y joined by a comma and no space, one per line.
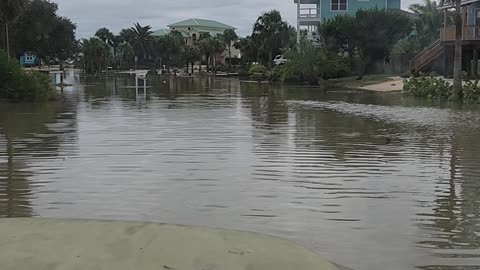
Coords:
90,15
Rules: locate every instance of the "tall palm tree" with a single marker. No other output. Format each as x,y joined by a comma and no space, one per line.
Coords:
10,10
271,31
142,40
229,36
218,47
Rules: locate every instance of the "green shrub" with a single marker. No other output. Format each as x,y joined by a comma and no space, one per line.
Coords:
259,72
19,85
471,92
429,87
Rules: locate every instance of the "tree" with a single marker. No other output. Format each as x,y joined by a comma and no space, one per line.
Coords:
105,35
95,54
10,11
310,62
40,30
229,36
191,55
218,47
427,22
205,44
337,36
127,35
370,48
248,48
125,55
142,40
271,32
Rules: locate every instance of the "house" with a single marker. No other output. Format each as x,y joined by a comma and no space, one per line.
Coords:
310,13
441,52
192,29
28,59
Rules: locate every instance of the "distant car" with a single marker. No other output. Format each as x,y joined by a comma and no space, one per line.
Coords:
280,60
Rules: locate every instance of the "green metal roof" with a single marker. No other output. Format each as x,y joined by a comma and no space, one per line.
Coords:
161,32
201,23
164,32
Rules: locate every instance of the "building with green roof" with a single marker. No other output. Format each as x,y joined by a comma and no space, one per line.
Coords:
191,30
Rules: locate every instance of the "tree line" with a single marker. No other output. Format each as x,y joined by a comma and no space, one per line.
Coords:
119,50
35,26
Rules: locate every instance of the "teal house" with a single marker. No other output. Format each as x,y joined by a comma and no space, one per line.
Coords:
28,59
310,13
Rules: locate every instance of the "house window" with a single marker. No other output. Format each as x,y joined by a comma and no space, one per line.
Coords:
339,5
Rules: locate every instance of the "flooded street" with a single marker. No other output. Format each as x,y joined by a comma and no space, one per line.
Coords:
369,181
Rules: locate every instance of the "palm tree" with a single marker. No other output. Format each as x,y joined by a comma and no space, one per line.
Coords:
10,10
218,47
192,54
105,35
270,30
95,54
205,46
229,36
142,40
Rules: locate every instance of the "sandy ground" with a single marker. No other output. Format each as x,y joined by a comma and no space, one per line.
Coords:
394,84
50,244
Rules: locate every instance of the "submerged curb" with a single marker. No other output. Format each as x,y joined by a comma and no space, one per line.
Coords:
31,243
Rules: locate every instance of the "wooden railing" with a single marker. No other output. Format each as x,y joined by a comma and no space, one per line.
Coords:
426,56
469,32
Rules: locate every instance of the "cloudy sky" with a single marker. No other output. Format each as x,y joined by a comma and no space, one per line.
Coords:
89,15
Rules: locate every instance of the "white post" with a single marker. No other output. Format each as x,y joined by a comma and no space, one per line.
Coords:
136,84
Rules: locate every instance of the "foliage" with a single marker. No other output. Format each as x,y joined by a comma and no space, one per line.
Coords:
429,87
40,30
168,48
96,54
405,45
349,35
248,48
310,63
125,55
19,85
270,32
142,41
471,92
427,22
258,72
229,36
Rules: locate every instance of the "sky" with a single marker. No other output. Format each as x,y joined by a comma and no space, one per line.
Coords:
90,15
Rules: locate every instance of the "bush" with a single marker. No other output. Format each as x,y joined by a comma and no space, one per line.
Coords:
471,92
429,87
259,72
20,85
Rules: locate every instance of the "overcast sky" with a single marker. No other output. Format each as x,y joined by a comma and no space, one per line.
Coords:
89,15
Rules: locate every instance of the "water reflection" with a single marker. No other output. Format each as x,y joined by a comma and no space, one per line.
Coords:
371,181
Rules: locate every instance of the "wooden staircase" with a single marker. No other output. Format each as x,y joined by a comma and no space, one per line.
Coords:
426,56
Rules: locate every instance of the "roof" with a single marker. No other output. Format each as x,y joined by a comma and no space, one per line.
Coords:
202,23
452,4
164,32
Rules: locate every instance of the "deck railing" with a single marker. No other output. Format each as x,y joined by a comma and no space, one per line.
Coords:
309,13
469,32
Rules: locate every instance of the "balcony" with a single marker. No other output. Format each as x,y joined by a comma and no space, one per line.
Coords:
309,14
469,33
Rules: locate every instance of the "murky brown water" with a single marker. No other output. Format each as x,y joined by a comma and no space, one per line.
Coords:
370,181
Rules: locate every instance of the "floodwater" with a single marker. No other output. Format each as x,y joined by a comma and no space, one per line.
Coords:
369,181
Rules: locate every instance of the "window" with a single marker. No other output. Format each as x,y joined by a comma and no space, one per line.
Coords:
339,5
